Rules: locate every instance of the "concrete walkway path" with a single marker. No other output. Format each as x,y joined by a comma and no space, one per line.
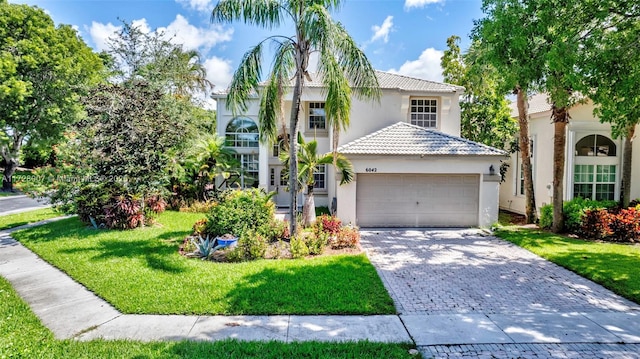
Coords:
72,311
466,293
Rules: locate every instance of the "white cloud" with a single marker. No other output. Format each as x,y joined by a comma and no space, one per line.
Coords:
382,31
219,72
142,25
426,67
420,3
200,5
181,32
100,34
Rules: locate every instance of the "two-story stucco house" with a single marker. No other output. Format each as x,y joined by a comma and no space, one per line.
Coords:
412,168
593,164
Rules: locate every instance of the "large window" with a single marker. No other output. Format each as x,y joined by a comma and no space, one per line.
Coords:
594,182
424,113
249,170
242,135
242,132
317,119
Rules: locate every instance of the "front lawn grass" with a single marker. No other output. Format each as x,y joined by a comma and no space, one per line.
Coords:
23,336
140,271
614,266
19,219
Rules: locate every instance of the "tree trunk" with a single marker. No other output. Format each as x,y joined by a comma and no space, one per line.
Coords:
524,144
626,167
7,178
309,208
560,120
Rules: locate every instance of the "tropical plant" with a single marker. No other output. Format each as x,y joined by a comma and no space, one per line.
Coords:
204,246
308,162
343,68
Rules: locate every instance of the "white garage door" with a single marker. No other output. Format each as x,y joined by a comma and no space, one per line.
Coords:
417,200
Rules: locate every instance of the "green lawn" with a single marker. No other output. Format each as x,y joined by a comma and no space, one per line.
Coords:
615,266
140,271
23,336
19,219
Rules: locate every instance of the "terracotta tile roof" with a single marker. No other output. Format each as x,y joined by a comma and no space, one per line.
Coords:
405,139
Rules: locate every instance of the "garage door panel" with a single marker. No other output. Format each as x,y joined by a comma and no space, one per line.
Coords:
417,200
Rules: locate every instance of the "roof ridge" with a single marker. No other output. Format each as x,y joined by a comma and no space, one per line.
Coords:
417,78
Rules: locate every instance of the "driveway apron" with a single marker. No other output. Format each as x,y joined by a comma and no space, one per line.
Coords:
464,292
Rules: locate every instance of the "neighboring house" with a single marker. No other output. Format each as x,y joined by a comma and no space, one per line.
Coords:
593,159
411,167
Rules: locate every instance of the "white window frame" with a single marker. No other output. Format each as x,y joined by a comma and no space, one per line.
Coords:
519,178
312,106
418,116
321,172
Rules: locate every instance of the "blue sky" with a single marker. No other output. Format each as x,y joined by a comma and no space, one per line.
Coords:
404,36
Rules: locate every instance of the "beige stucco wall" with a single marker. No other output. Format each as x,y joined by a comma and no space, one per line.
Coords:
582,123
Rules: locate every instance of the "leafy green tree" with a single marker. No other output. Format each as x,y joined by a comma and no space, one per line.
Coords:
612,75
308,162
343,67
43,71
486,116
153,57
127,134
509,46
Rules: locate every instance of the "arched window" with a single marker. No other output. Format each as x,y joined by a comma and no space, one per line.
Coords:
242,132
596,145
242,135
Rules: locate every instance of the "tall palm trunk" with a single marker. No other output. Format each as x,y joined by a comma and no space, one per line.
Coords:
294,125
530,199
626,166
560,120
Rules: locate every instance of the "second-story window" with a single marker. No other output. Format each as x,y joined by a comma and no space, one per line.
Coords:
424,113
317,117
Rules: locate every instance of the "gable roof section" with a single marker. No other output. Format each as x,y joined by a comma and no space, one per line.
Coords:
405,139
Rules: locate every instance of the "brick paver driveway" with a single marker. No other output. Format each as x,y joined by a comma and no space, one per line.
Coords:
455,272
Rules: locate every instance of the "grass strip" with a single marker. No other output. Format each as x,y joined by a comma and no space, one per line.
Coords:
140,271
612,265
20,219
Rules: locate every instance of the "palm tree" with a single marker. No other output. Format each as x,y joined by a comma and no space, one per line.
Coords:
341,64
206,159
308,163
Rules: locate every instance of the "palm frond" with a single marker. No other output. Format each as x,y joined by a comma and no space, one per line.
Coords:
245,80
267,14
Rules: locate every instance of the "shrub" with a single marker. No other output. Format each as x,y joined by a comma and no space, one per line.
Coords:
200,226
204,247
347,237
125,212
198,207
595,224
276,230
239,212
298,247
625,225
328,224
315,242
250,246
546,216
90,203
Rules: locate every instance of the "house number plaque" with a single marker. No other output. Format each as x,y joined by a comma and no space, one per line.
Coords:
371,169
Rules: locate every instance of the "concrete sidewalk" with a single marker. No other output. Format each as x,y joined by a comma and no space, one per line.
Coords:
72,311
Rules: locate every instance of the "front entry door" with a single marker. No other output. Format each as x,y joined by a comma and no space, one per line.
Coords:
278,184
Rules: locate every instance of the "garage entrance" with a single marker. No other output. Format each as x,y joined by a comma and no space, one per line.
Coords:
417,200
